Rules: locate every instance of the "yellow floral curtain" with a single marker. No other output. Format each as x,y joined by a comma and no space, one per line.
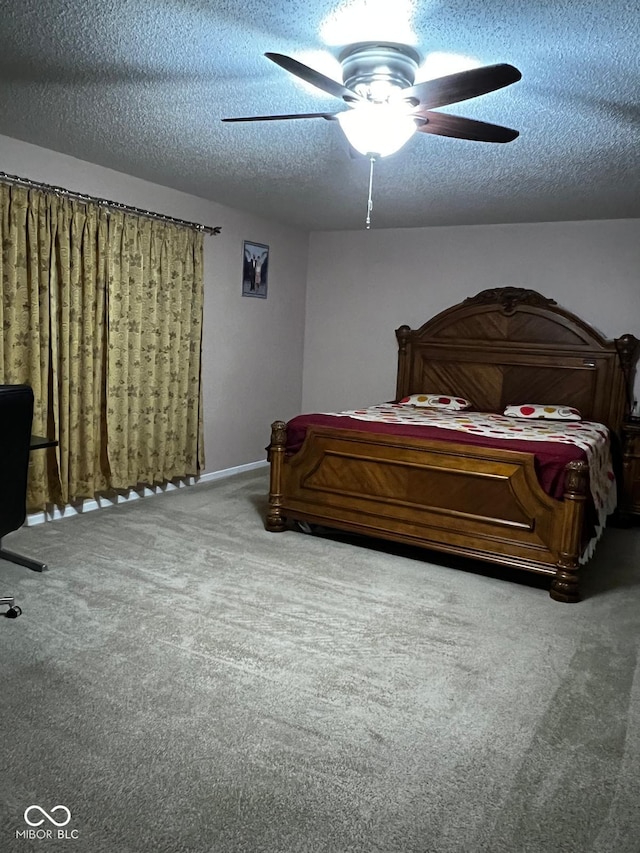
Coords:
101,314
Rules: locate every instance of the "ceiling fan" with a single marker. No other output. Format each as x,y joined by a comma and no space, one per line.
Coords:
384,105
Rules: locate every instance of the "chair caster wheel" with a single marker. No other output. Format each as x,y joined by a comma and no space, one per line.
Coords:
13,612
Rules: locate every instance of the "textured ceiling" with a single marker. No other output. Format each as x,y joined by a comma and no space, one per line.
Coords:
140,86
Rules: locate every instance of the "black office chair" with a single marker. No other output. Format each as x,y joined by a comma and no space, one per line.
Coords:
16,418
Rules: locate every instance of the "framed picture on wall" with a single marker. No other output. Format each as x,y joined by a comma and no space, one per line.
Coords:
255,269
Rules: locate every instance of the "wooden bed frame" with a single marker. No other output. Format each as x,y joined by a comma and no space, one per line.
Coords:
503,346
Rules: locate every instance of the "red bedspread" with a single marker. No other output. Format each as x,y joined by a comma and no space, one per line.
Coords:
550,457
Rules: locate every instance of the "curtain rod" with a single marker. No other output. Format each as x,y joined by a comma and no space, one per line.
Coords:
103,202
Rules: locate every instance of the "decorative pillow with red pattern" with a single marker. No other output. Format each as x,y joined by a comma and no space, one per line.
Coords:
535,410
436,401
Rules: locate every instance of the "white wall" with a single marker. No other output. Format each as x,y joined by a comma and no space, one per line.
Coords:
364,284
253,348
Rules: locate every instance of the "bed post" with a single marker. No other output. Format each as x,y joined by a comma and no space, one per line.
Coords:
564,586
275,519
404,366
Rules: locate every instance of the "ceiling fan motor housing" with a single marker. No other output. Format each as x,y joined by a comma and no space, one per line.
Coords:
365,65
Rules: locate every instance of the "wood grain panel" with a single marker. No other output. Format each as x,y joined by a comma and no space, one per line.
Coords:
481,384
480,494
550,384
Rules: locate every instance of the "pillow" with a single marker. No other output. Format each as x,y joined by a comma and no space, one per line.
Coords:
535,410
436,401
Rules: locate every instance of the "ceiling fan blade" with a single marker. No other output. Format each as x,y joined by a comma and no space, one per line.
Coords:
457,127
328,116
314,77
461,86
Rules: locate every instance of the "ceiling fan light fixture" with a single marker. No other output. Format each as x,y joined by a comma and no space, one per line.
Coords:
377,130
377,91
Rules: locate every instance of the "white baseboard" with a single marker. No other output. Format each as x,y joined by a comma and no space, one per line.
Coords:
135,494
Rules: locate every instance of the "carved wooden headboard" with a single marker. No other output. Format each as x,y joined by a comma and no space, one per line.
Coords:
510,346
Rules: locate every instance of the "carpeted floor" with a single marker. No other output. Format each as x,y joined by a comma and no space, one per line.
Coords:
183,681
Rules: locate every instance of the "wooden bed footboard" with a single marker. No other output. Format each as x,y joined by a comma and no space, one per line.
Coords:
473,501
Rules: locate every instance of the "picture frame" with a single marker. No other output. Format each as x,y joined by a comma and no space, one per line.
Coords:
255,269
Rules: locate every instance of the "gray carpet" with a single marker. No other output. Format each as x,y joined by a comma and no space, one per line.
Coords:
182,680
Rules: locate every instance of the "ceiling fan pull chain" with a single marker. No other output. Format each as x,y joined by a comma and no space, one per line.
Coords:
370,199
